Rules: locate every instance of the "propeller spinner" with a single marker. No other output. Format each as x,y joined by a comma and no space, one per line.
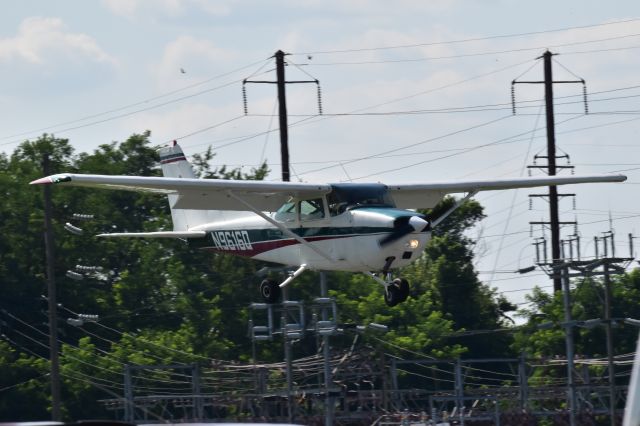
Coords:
403,226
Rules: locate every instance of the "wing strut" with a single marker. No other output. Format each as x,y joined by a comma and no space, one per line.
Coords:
453,208
281,227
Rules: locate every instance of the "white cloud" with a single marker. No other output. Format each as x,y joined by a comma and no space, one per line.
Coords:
133,9
45,40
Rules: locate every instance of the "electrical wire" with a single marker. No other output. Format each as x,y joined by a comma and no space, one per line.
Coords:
429,140
239,139
107,355
478,54
6,388
138,103
515,194
467,40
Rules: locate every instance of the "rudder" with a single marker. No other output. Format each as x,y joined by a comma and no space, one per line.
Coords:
174,164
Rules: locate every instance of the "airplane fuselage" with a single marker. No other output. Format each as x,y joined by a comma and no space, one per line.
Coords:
351,239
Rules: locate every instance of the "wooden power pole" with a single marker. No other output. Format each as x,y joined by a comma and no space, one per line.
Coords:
281,83
51,297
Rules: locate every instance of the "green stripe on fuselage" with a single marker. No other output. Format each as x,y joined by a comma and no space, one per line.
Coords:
275,234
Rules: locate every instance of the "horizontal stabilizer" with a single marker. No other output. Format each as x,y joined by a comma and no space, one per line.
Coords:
160,234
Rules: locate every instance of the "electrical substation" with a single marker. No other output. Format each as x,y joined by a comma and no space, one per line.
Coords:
364,385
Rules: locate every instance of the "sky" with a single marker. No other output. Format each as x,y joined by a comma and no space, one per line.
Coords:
411,91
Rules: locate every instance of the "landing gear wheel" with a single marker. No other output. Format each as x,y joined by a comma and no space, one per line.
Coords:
270,291
392,295
403,287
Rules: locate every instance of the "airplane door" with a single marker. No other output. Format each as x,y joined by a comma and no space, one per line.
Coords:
314,225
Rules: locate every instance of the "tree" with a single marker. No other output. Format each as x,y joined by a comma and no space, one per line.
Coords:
586,303
447,270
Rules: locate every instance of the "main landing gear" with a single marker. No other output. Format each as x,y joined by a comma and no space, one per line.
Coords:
270,291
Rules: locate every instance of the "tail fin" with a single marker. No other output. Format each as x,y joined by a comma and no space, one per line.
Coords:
175,164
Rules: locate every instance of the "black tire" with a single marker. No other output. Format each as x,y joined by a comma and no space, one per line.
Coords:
270,291
392,296
403,287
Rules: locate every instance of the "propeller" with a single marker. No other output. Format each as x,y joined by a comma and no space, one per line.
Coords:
403,226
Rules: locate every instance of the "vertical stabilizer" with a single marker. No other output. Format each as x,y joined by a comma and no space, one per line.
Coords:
175,164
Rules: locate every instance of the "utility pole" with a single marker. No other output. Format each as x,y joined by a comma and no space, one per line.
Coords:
573,406
551,166
281,83
608,261
609,334
610,264
51,296
282,112
326,353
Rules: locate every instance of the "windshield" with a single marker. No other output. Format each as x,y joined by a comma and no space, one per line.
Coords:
348,196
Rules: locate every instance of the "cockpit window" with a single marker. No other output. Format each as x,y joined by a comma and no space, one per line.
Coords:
349,196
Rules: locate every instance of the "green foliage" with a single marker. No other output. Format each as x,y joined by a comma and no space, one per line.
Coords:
446,270
23,385
587,302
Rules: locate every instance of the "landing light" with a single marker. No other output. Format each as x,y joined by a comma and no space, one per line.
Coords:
413,244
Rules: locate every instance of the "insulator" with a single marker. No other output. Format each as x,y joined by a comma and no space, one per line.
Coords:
584,95
244,99
80,216
83,268
319,98
88,317
74,275
530,204
73,229
513,98
574,202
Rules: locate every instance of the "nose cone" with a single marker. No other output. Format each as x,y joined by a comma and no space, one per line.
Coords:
418,223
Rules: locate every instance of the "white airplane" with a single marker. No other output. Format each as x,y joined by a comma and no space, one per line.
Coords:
358,227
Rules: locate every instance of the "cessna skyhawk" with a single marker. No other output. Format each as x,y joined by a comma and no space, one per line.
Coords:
359,227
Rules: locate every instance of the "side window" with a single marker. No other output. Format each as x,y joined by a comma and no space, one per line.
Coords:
312,209
286,213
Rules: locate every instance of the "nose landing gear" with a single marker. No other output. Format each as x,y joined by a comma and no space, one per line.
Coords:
397,291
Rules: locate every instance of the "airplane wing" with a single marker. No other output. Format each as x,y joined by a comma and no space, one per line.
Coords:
200,194
427,195
215,194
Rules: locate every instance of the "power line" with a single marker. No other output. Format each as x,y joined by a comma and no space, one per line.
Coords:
446,135
135,104
477,54
437,43
24,382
